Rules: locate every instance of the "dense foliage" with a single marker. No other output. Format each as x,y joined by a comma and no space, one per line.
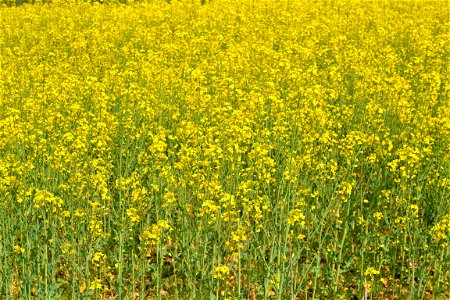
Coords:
231,150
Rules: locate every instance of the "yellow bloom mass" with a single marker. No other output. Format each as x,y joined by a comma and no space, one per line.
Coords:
190,149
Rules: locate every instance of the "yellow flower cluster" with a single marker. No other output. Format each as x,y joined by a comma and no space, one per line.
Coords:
441,230
153,235
221,272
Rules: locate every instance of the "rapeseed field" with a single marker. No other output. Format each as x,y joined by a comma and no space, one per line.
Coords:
249,149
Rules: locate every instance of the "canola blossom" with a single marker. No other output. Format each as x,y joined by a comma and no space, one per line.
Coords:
225,149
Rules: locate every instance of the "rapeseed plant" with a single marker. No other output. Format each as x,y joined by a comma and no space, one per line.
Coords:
224,150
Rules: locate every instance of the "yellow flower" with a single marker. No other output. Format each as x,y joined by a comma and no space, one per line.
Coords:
96,284
133,215
296,216
378,215
18,250
371,272
221,272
